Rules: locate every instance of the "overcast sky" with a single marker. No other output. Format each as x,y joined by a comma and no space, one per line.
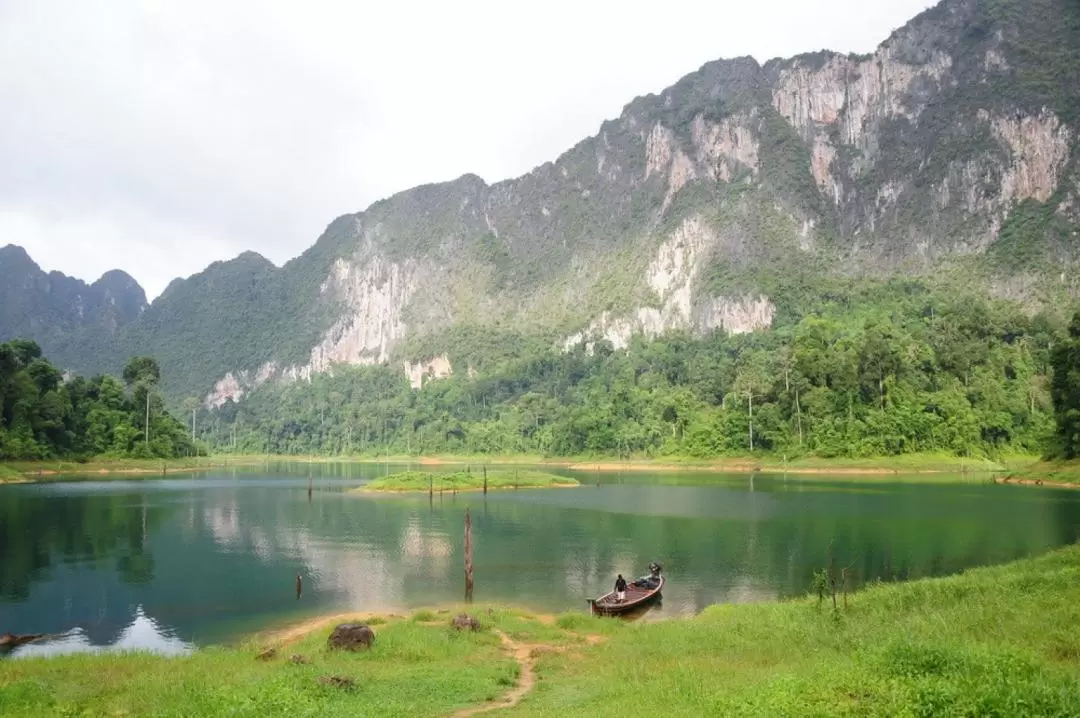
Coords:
157,137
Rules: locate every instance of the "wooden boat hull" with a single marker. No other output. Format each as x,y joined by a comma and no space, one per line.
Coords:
636,597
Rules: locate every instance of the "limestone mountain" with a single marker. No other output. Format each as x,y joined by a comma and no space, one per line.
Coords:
74,323
950,152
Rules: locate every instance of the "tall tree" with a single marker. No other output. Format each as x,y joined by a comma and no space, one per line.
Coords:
142,370
1065,390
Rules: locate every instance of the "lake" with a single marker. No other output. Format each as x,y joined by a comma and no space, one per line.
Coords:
188,561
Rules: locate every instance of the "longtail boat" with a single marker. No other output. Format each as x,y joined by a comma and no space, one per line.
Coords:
639,592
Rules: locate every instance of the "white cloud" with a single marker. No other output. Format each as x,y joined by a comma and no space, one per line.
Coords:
157,137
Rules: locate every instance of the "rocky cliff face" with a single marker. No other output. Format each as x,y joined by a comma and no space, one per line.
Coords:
954,145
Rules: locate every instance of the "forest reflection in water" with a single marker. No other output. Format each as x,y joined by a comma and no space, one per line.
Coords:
165,564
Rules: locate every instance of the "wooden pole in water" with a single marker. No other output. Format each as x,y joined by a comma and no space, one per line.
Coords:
309,481
299,586
485,481
832,578
468,558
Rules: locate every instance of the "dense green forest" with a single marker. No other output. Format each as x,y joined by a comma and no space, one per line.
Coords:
1065,389
45,414
872,369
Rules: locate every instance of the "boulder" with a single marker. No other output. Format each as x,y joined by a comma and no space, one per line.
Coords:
352,637
464,621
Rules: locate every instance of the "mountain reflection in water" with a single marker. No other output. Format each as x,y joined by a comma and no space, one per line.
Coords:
142,634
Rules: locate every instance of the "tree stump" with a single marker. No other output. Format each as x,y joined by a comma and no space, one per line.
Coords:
464,621
343,682
10,640
268,655
351,637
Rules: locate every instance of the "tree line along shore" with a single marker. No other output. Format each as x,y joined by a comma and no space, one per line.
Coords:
964,390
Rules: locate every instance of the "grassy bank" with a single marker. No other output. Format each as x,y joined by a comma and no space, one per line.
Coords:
16,471
994,641
9,475
905,464
894,465
467,481
414,670
1059,473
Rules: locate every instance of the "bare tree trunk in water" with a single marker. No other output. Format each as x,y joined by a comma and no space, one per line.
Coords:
468,558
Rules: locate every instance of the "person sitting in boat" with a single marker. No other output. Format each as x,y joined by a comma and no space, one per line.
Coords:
620,589
652,580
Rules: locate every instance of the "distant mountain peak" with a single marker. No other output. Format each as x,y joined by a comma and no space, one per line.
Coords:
251,258
76,324
15,253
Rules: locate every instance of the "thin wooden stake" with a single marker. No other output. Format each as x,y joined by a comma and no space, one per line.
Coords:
832,575
468,558
485,481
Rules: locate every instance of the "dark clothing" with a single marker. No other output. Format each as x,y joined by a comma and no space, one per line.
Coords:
620,584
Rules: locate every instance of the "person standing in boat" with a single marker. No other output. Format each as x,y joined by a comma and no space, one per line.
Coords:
620,589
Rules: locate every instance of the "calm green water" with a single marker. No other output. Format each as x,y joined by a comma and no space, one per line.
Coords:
190,561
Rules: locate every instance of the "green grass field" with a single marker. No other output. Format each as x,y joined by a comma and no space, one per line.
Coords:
413,670
1000,641
467,481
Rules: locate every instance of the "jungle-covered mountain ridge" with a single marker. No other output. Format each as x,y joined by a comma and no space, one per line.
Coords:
742,198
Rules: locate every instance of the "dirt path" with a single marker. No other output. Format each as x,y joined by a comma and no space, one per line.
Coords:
291,634
525,655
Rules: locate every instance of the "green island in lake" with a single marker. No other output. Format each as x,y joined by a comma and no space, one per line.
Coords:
468,481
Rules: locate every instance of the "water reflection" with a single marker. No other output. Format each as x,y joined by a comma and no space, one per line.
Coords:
215,557
142,634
